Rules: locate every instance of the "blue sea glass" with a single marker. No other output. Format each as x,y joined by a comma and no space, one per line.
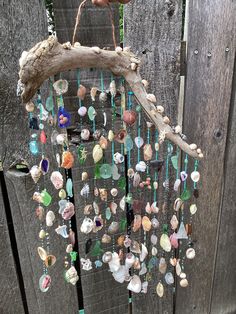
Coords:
33,146
69,187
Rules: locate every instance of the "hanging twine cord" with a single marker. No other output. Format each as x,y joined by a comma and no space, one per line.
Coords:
78,17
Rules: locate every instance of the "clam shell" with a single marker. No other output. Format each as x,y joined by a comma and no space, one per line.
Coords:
135,284
146,223
147,152
193,209
183,283
42,253
160,290
97,153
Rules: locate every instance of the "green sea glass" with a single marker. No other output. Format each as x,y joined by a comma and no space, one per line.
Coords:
91,113
49,103
129,144
174,160
97,250
105,171
186,195
46,198
73,256
123,224
108,213
69,187
122,183
129,198
97,171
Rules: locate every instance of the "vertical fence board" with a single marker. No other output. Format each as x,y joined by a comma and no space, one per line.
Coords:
208,90
11,300
224,285
154,32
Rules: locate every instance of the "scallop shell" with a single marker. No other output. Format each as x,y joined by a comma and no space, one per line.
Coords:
35,173
81,92
42,253
165,242
193,209
135,284
160,290
147,151
85,190
97,153
57,179
146,223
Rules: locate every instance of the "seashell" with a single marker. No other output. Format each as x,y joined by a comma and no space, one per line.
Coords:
42,234
106,238
129,117
86,264
97,153
157,147
111,135
190,253
103,142
114,264
112,88
143,269
166,120
113,228
144,252
193,209
88,209
183,175
37,197
173,261
177,184
93,93
62,230
42,253
81,92
182,275
120,274
141,166
195,176
160,109
133,66
148,208
182,234
67,160
178,268
145,84
169,278
82,111
85,190
130,173
50,217
178,204
96,208
122,203
103,97
155,223
160,289
120,136
183,283
139,141
127,241
69,248
146,223
129,260
174,240
57,179
29,106
72,237
62,205
71,275
50,260
103,194
136,264
113,206
44,283
144,287
87,225
153,239
174,222
114,192
60,139
96,191
155,185
137,222
107,257
35,173
60,87
84,176
85,134
120,240
178,129
162,265
136,179
151,98
98,3
69,211
135,247
165,242
147,151
118,158
135,284
118,50
193,146
40,212
154,251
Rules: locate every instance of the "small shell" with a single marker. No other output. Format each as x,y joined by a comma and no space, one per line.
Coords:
35,173
155,223
178,129
193,146
82,111
145,84
67,160
195,176
182,275
165,242
111,135
139,141
107,257
103,97
147,152
113,206
50,260
135,247
193,209
103,142
178,204
42,234
29,106
153,239
190,253
135,284
120,240
106,238
160,109
154,251
151,98
42,253
57,179
133,66
146,223
114,192
93,93
118,50
174,222
113,228
113,88
97,153
88,209
183,283
136,179
166,120
85,134
84,176
144,252
50,217
162,265
160,290
81,92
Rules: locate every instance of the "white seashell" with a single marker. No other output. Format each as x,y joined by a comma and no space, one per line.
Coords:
160,109
143,269
122,203
42,253
139,141
144,287
87,225
141,166
93,93
193,209
155,185
118,158
50,217
129,260
107,257
85,134
178,204
177,184
162,265
113,88
96,208
86,264
71,275
114,192
114,264
154,239
178,129
96,50
135,284
111,135
82,111
144,252
183,283
103,97
195,176
165,242
200,155
85,190
133,66
151,98
157,146
145,84
61,230
154,251
69,248
174,222
58,158
120,274
118,50
77,44
136,179
35,173
182,275
169,278
60,139
42,234
190,253
178,268
193,146
97,153
160,289
57,179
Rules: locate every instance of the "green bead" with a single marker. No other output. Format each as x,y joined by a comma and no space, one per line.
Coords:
186,195
105,171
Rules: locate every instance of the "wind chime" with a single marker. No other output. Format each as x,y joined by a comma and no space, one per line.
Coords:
135,153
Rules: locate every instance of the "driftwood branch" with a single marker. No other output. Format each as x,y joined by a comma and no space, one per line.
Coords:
49,57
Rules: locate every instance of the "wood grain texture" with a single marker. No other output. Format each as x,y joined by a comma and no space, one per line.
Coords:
206,114
11,300
61,296
224,284
154,33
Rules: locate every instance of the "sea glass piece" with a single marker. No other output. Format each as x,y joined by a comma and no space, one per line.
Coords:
88,245
160,289
123,224
46,198
49,103
62,205
129,198
69,187
183,175
33,146
169,278
186,195
193,209
97,174
91,113
165,242
73,256
182,234
63,118
174,161
43,137
105,171
153,262
44,283
60,86
44,165
108,213
33,123
114,172
129,144
98,263
139,141
97,250
122,183
62,231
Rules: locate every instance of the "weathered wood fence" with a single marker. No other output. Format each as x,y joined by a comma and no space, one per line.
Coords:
205,106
